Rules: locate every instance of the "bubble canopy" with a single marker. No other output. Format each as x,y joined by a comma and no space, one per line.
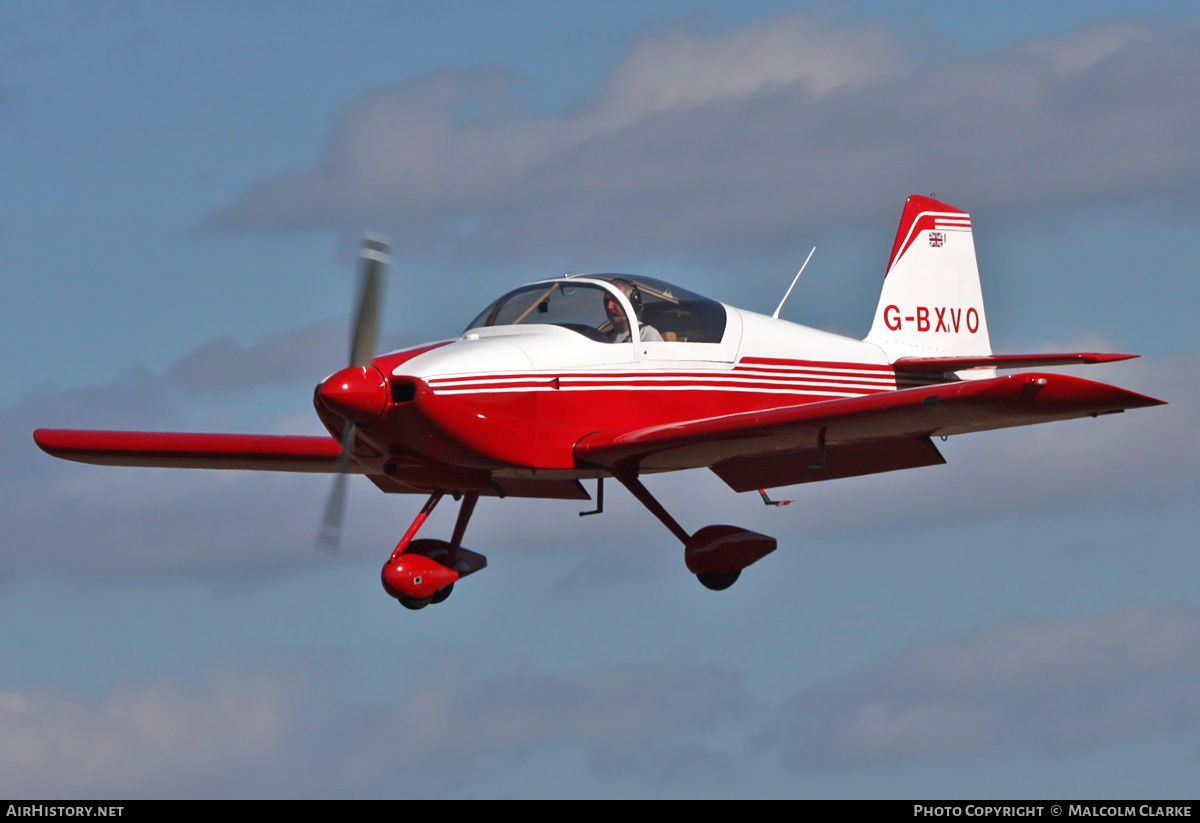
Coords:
588,305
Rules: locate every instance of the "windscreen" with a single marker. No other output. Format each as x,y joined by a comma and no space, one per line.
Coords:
678,315
580,307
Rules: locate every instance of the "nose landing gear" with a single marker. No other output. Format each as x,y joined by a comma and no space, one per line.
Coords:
423,572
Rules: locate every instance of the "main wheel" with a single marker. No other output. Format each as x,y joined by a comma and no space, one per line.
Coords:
441,594
413,603
718,582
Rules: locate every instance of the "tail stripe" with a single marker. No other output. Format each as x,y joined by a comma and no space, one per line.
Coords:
942,221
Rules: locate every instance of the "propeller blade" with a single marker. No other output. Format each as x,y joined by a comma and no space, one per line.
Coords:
363,340
335,506
365,336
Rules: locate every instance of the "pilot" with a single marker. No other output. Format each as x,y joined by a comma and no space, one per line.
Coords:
616,315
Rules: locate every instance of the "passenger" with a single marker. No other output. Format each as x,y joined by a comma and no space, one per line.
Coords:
616,315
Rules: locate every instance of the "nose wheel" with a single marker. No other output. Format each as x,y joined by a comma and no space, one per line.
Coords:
416,604
718,582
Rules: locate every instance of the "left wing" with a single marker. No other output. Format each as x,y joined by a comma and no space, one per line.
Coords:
273,452
185,450
853,435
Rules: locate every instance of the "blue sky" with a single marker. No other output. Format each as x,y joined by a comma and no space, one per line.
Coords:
183,185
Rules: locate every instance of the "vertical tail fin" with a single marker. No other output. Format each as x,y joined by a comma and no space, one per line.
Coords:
931,304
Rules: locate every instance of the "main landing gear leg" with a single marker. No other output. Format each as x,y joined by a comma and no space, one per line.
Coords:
421,572
715,554
630,481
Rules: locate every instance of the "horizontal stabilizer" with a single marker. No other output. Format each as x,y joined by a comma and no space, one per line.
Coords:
183,450
943,365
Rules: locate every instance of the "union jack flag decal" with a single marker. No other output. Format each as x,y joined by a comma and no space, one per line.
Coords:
937,239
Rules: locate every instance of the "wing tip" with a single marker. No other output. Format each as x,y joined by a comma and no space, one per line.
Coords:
49,440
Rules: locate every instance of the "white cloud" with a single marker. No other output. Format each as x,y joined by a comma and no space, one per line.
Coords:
1073,684
681,69
252,731
1080,50
697,142
156,737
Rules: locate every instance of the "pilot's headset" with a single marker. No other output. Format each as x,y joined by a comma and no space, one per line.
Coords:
635,295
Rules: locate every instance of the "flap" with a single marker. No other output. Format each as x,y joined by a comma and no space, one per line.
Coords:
808,465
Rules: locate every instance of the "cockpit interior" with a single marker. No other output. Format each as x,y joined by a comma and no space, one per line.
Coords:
584,304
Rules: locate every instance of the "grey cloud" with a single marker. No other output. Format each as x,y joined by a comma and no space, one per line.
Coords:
446,727
300,356
399,153
250,731
664,763
105,523
1066,685
697,142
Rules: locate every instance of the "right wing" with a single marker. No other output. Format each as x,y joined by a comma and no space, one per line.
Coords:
852,435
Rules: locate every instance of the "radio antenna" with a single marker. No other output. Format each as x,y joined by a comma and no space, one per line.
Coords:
794,279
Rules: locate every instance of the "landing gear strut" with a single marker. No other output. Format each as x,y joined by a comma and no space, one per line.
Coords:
715,554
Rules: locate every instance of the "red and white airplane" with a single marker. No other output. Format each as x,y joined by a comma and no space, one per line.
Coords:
610,375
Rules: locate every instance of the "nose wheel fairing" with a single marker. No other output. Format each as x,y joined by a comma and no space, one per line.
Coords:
421,572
